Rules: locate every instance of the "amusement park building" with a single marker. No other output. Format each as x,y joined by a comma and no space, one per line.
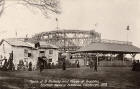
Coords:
68,40
27,52
21,51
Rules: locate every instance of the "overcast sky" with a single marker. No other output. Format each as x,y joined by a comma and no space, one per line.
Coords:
111,16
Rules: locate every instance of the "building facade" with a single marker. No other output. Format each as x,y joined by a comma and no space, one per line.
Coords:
49,51
24,53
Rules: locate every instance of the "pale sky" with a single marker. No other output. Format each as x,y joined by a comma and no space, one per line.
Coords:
111,16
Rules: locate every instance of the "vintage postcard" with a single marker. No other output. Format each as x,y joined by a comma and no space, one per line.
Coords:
69,44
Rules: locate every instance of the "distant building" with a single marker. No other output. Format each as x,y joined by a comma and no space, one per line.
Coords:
68,40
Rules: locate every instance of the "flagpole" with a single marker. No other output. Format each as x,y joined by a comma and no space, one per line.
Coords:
57,24
127,29
16,33
95,26
127,36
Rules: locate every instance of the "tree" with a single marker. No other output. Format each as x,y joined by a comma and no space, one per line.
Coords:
45,6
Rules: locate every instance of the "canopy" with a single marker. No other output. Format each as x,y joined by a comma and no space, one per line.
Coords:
100,47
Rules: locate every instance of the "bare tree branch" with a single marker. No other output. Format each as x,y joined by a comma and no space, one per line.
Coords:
45,5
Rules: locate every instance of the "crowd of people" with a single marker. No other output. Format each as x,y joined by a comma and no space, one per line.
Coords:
92,63
43,63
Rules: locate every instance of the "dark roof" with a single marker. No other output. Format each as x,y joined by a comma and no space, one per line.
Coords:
71,31
43,44
110,47
17,43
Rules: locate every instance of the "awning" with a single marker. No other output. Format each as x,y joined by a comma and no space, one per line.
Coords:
100,47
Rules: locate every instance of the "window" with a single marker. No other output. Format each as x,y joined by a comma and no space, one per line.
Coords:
25,52
42,53
29,54
50,51
50,60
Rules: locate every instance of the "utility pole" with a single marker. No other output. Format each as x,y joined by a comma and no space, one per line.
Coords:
64,41
93,32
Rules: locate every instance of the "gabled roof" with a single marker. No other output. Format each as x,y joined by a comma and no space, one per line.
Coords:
43,44
110,47
17,43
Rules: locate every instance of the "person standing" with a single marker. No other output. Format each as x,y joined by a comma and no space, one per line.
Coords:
77,63
91,63
5,64
134,65
53,65
10,62
30,66
41,63
64,64
95,65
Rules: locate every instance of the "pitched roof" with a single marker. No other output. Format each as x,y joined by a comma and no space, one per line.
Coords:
44,44
17,42
110,47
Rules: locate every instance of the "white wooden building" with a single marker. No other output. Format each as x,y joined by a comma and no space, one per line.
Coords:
27,52
22,51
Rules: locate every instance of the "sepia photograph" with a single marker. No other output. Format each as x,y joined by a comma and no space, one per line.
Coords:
69,44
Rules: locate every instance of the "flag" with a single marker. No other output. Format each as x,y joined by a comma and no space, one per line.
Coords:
128,27
26,35
96,24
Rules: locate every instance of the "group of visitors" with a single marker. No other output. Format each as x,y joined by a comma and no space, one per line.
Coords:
43,63
136,65
93,63
25,65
